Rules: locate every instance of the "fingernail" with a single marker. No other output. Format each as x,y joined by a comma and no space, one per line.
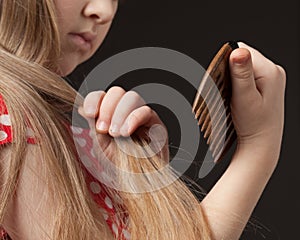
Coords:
242,59
114,128
102,126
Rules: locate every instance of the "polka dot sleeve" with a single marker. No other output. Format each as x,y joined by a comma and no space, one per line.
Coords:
5,137
6,133
5,124
97,190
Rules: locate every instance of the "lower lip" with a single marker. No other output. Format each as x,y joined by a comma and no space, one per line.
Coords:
81,42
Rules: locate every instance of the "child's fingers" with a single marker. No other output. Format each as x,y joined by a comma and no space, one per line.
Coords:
107,108
267,74
142,116
118,112
261,64
257,94
156,132
92,103
127,104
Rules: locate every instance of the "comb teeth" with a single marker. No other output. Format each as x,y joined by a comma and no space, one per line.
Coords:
211,104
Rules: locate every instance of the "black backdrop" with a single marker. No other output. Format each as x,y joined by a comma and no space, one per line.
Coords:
198,29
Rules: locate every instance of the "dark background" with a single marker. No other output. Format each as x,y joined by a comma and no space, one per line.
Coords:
197,29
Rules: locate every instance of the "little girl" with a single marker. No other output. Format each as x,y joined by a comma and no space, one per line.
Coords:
46,193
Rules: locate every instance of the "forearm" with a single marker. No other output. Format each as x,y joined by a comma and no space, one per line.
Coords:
231,201
257,109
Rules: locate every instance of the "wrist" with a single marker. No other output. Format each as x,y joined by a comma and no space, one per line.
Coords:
266,142
263,151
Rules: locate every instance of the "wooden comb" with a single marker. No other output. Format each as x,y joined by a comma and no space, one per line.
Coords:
212,104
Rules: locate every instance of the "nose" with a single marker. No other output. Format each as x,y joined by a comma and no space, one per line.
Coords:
101,11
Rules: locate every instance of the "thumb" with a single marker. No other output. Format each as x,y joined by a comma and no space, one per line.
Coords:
241,70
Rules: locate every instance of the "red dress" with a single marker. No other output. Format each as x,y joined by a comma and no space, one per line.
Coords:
97,190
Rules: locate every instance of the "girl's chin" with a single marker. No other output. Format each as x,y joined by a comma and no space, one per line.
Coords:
66,67
64,73
65,70
68,63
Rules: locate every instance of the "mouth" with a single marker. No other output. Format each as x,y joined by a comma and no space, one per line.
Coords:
83,40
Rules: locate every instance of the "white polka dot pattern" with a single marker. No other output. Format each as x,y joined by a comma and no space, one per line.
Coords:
95,187
93,153
5,124
86,149
5,120
105,216
80,141
3,135
115,229
126,234
86,161
83,139
108,202
76,130
29,133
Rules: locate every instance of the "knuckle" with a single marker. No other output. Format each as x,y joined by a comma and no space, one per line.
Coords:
281,72
242,44
134,118
133,94
147,110
134,97
141,113
93,101
278,76
94,95
116,89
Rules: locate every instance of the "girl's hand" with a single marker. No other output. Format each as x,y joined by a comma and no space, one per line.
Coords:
257,106
257,99
120,114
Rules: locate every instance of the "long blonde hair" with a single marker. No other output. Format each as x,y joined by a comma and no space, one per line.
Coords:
29,47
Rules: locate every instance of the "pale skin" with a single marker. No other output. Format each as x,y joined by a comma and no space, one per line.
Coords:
257,108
